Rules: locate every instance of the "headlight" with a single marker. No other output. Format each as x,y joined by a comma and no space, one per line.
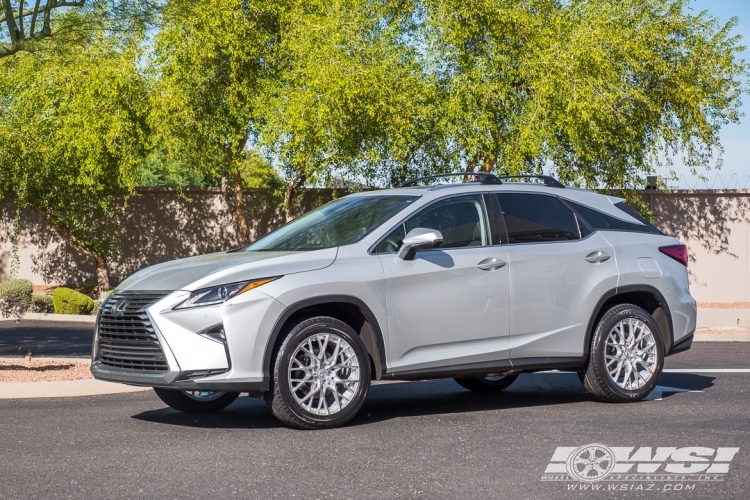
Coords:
221,293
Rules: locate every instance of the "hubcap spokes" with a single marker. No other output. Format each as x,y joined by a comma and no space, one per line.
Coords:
630,354
324,374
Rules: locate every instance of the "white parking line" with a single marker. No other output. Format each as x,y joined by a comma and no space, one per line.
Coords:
678,370
707,370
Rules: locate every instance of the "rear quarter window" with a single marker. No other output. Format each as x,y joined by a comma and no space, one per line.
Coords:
605,222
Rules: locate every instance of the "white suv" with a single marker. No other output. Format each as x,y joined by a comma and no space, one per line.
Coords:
478,281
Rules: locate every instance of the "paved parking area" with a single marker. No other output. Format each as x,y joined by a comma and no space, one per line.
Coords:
412,440
43,338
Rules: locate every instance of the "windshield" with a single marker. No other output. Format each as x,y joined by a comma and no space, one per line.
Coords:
340,222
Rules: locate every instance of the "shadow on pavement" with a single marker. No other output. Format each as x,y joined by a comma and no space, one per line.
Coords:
387,401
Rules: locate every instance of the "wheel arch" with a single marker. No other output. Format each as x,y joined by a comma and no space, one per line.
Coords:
351,310
647,297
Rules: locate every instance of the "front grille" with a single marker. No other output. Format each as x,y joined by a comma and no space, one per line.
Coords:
127,340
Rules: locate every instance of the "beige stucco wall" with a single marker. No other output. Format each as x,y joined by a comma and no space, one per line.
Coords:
715,226
159,225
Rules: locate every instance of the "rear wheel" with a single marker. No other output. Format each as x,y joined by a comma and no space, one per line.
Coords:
196,401
486,384
321,375
627,356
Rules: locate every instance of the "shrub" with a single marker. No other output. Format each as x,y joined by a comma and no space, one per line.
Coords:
41,303
97,305
67,301
20,290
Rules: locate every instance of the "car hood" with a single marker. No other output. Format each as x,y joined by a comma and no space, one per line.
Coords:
193,273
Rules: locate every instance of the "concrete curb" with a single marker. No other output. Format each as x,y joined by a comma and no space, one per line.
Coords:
64,389
59,318
722,337
67,389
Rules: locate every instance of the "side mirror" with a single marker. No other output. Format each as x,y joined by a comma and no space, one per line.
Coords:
418,239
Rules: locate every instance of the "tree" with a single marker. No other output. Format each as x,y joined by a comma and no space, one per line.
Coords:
350,98
72,134
26,28
600,92
209,61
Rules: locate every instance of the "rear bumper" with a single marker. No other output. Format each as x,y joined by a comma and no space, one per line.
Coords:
683,344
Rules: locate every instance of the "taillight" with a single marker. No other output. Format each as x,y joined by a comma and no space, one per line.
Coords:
677,252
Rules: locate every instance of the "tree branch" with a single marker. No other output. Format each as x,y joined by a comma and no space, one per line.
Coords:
33,18
10,20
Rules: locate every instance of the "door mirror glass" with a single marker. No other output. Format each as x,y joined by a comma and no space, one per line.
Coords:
418,239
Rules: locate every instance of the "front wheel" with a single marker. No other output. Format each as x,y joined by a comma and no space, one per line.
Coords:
486,384
321,375
196,401
627,356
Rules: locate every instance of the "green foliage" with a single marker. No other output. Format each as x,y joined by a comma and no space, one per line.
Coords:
72,134
26,26
601,92
208,61
158,169
67,301
18,289
41,303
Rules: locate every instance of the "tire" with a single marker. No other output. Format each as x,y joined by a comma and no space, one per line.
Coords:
196,401
486,384
627,338
300,374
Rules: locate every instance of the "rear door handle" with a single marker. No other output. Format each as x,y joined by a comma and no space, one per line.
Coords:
491,264
597,257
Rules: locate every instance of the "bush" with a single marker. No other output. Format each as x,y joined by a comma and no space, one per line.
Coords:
20,290
41,303
67,301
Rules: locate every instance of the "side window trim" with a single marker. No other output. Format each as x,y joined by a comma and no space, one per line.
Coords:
495,219
480,194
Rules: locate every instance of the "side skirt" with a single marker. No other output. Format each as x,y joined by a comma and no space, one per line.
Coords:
503,367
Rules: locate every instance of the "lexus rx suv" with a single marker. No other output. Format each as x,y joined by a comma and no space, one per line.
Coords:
477,281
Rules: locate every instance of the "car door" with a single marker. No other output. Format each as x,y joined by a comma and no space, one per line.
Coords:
559,269
448,306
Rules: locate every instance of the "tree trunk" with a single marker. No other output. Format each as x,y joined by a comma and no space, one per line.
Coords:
102,276
289,194
240,217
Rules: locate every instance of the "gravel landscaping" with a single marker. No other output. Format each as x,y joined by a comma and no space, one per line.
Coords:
39,370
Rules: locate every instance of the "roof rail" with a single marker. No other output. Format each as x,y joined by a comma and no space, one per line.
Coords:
546,179
487,178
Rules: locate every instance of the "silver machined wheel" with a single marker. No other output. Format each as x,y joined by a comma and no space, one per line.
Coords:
324,374
204,395
630,354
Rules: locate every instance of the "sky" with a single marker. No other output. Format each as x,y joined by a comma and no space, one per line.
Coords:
734,138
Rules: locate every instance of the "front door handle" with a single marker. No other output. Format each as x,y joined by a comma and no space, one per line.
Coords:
597,257
491,264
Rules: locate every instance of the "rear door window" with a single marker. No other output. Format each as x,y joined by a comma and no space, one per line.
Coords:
535,218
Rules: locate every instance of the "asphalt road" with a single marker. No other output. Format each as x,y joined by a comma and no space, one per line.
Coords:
43,338
411,440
